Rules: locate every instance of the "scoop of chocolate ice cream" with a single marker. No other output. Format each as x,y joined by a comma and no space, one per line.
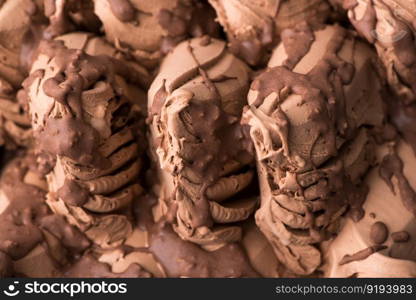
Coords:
382,244
82,115
253,27
203,154
148,30
308,116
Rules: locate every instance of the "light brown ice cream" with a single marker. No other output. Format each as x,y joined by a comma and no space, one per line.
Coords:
149,29
358,249
82,115
308,116
203,156
253,27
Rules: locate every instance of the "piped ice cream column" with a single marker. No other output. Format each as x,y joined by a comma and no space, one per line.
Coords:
82,116
203,155
150,29
253,27
15,19
382,244
33,241
308,116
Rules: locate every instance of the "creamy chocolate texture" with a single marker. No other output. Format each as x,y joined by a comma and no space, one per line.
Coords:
253,27
202,151
148,30
82,115
390,26
207,138
308,123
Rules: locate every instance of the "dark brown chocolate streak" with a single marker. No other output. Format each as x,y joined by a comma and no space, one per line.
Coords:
71,136
361,255
392,165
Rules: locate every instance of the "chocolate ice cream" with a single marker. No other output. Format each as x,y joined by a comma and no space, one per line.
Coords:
202,151
308,118
82,116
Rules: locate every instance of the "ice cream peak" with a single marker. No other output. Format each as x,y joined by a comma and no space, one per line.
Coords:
202,151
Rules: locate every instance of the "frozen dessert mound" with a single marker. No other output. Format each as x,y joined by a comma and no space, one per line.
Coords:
382,243
82,116
309,124
150,29
203,154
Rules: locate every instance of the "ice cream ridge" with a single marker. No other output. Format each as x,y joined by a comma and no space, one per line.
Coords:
82,116
309,116
207,138
205,164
